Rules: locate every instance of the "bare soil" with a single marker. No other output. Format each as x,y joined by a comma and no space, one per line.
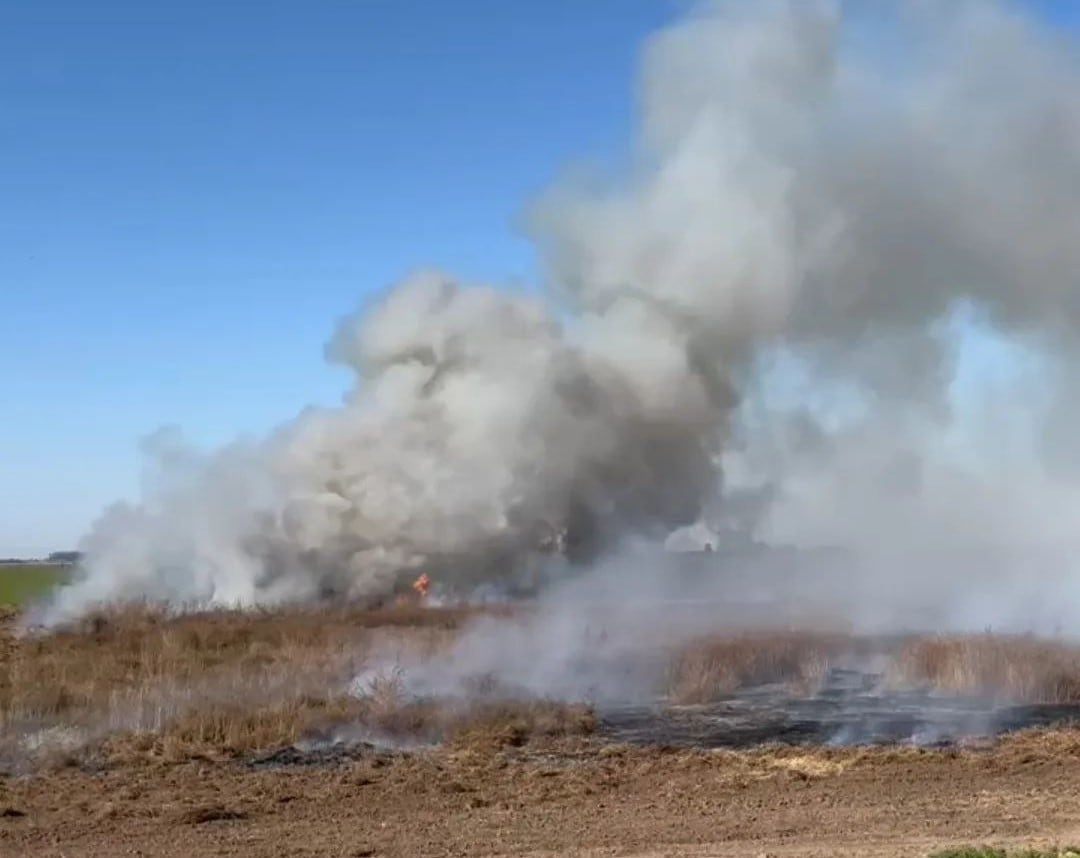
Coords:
563,797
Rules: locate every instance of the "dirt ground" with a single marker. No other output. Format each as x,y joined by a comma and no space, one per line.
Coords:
567,797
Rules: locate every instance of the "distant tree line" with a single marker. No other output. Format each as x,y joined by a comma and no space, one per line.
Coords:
65,557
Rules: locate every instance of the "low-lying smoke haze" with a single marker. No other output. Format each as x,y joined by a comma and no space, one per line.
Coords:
782,320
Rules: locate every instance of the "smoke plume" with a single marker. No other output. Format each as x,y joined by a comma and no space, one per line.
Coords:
790,313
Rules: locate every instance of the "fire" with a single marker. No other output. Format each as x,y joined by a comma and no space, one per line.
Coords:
420,585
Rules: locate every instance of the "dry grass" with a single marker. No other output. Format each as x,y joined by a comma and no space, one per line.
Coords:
710,666
139,670
133,651
513,723
235,731
1023,669
135,647
227,730
135,683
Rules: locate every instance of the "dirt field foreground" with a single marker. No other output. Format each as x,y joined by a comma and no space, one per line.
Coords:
561,798
213,774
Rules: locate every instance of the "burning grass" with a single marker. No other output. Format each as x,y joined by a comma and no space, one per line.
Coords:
1022,669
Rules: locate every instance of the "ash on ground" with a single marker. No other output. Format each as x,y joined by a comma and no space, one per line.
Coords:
850,708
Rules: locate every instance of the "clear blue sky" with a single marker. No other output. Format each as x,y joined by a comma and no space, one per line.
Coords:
191,193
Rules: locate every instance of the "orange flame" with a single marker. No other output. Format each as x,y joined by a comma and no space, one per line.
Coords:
421,585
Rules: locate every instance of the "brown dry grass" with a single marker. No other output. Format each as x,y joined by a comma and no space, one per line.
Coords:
137,684
233,730
140,648
710,666
223,681
134,684
1024,669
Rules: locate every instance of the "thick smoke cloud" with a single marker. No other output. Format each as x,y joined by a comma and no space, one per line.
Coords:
831,213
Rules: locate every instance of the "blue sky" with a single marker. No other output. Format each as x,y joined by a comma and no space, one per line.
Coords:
192,194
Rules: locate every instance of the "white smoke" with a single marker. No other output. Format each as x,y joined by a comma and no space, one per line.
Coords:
828,207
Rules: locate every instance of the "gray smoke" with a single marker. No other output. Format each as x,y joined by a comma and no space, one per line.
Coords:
832,213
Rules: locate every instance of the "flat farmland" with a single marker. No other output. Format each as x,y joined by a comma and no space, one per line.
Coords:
21,583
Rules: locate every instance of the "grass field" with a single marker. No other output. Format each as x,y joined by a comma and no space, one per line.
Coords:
23,582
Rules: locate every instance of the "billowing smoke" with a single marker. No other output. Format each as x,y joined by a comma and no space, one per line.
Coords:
838,216
480,433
